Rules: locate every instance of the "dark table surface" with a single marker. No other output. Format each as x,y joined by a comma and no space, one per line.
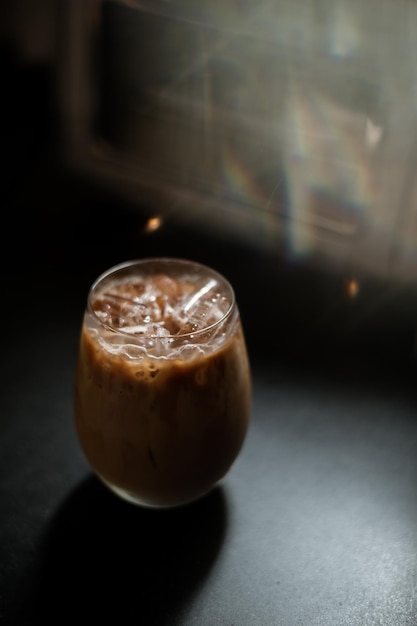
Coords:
316,523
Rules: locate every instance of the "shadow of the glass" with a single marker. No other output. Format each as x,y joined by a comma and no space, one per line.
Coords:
103,558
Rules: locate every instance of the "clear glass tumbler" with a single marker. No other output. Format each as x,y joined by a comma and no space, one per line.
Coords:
163,385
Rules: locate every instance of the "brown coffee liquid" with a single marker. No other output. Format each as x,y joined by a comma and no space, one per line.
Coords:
161,426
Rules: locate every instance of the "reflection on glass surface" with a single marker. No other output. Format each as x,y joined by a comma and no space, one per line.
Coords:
291,124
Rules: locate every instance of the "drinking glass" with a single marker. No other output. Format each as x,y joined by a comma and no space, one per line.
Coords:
163,386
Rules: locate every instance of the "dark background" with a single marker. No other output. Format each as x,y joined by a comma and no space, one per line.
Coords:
317,522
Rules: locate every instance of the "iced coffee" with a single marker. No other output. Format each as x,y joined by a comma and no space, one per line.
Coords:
163,386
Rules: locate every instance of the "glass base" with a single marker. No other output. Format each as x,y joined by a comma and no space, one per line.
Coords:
128,497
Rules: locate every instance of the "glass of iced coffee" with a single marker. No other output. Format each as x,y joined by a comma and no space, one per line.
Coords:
163,385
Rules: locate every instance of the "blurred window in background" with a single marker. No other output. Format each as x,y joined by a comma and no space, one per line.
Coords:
289,125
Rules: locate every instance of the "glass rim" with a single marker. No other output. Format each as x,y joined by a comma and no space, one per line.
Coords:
136,262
